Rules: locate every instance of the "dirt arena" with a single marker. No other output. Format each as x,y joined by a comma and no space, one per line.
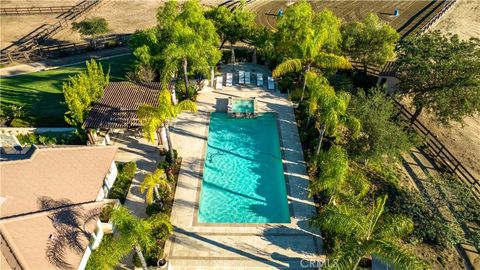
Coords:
412,14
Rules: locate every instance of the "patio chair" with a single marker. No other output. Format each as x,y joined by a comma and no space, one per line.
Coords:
229,81
219,83
241,77
247,77
271,83
259,79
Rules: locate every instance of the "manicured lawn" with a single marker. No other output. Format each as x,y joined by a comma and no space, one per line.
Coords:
40,93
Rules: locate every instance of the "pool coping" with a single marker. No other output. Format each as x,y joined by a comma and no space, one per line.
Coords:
200,180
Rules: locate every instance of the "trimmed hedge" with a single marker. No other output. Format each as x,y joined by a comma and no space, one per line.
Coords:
120,188
49,138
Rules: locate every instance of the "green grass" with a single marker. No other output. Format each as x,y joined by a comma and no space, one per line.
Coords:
40,93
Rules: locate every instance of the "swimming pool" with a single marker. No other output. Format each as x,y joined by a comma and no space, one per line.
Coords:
243,179
243,106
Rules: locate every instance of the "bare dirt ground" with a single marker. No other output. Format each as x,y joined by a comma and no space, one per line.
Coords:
14,28
123,16
463,140
412,14
462,19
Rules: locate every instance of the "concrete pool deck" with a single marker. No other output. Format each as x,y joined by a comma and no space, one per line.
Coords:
240,246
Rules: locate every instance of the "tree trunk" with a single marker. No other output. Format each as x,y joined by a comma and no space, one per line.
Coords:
169,141
159,137
356,264
223,43
138,250
304,82
308,122
157,193
322,131
185,75
415,115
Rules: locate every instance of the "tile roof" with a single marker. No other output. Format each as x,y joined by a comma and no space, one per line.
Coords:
76,173
33,240
119,104
48,198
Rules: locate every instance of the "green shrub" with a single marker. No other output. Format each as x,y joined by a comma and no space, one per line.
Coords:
17,122
430,227
49,138
120,188
129,169
111,43
163,165
168,157
153,209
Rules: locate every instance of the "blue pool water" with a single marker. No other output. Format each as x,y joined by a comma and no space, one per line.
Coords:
242,106
243,180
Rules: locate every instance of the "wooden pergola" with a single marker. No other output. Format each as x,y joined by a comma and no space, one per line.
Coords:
117,109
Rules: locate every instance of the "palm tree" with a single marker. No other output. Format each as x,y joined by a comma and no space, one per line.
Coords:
308,40
332,113
154,118
137,231
151,183
367,233
335,179
130,232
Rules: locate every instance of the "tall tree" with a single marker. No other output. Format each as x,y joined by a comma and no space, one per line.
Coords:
441,74
81,91
306,40
382,136
152,182
154,118
370,41
92,27
365,233
191,42
232,25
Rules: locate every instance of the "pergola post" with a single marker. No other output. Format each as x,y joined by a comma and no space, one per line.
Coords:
91,136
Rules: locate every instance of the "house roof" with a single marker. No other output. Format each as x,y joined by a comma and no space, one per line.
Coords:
76,173
32,241
119,104
45,199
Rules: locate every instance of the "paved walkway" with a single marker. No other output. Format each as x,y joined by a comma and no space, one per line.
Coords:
237,246
63,61
146,155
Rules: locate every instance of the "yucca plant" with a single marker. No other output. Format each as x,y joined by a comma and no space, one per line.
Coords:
367,233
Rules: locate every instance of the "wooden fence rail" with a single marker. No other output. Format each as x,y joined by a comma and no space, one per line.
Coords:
447,6
65,49
440,154
17,11
26,50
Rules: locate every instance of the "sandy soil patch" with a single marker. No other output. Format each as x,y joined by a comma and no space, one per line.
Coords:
463,140
462,19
